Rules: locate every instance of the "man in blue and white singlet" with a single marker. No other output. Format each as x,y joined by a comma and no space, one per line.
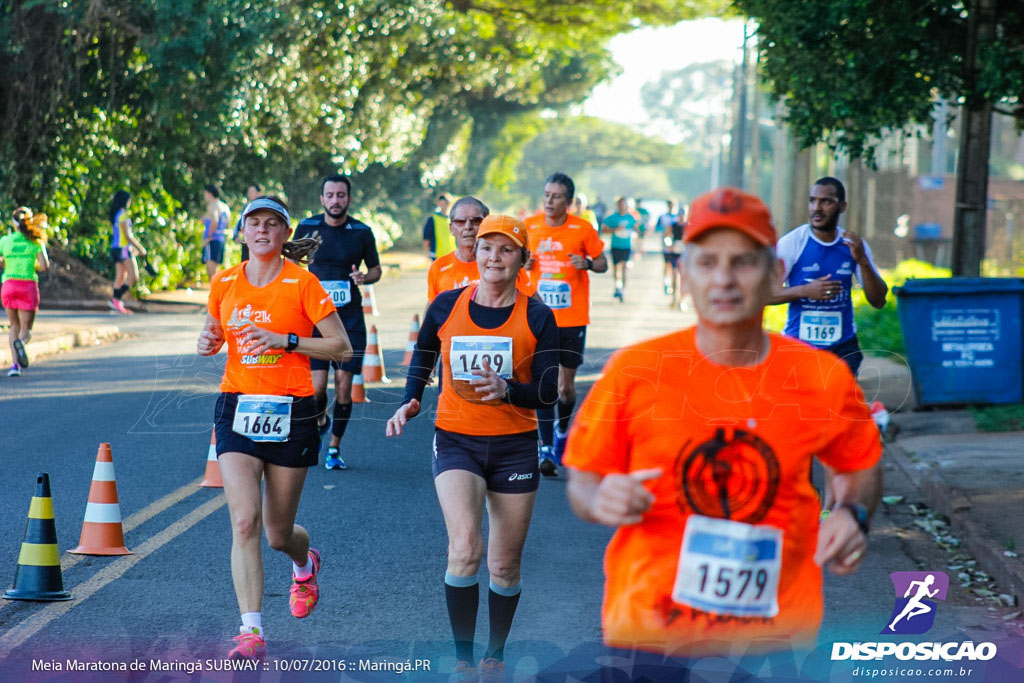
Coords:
821,260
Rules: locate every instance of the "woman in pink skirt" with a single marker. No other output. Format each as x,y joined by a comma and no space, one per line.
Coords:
22,254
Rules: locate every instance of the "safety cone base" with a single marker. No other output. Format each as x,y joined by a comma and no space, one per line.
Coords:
37,596
100,550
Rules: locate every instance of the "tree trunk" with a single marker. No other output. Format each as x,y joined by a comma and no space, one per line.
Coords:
975,140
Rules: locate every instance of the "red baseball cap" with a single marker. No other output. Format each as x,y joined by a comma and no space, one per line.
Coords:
729,207
512,228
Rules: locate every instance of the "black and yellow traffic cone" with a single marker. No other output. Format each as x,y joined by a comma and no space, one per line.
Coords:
38,574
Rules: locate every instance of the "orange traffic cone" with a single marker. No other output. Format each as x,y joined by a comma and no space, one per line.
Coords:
101,531
358,390
38,575
212,479
373,359
369,301
410,346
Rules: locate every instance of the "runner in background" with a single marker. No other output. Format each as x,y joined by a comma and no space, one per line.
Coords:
459,269
643,222
622,226
437,238
701,440
265,310
22,255
664,229
251,193
123,249
579,208
346,246
563,248
820,260
498,351
215,229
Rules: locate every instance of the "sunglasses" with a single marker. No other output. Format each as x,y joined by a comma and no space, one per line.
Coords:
461,222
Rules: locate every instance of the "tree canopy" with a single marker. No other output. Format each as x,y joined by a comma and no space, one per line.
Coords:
164,96
851,70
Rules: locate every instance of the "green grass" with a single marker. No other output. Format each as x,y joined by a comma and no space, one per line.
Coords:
1006,418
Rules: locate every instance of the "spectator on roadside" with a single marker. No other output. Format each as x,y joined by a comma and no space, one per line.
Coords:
437,237
215,227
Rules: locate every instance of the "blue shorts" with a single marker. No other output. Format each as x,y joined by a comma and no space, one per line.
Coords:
355,327
620,255
302,449
120,254
213,251
507,462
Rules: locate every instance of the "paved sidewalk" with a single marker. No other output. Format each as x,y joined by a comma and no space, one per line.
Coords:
58,331
976,479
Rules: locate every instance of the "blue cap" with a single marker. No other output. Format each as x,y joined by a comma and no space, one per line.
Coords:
270,205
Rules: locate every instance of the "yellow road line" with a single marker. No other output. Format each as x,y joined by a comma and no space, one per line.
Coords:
21,632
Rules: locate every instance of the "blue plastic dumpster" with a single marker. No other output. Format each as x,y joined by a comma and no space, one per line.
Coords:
964,339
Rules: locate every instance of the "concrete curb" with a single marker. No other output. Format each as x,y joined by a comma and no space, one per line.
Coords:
49,346
956,505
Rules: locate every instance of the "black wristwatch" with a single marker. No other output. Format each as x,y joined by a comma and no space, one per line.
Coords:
590,263
860,514
293,341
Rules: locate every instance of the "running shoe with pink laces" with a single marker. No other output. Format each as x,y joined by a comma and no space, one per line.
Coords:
305,594
250,645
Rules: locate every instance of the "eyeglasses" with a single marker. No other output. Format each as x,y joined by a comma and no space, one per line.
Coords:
461,222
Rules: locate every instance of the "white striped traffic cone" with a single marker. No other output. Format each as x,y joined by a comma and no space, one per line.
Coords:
373,359
212,479
358,390
369,301
410,346
102,533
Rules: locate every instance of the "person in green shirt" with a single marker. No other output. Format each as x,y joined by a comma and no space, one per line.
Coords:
22,253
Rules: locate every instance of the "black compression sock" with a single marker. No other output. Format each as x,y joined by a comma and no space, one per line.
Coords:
501,605
462,599
342,411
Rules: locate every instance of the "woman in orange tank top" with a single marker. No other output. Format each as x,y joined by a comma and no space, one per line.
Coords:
499,357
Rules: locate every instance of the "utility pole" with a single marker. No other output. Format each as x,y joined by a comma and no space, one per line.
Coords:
737,146
975,138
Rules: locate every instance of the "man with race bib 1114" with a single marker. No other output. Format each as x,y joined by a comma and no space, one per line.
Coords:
563,247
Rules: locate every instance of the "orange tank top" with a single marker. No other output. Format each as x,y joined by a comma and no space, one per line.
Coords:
508,349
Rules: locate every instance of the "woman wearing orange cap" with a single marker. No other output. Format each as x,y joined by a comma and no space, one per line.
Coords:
22,254
499,357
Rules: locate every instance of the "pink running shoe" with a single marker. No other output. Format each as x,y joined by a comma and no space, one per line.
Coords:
305,594
250,646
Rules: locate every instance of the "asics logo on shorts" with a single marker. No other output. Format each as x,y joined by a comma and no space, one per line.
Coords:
520,477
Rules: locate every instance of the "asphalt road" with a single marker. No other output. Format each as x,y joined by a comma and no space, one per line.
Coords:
377,525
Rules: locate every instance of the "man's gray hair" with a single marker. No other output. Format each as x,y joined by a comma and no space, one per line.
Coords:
470,201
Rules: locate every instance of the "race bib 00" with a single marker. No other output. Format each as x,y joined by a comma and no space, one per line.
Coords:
340,291
555,293
728,567
469,353
821,327
263,418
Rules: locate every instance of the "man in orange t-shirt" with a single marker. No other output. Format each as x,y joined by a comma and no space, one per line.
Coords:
563,248
696,447
458,269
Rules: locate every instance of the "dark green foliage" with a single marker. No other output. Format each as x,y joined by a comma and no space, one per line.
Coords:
163,96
